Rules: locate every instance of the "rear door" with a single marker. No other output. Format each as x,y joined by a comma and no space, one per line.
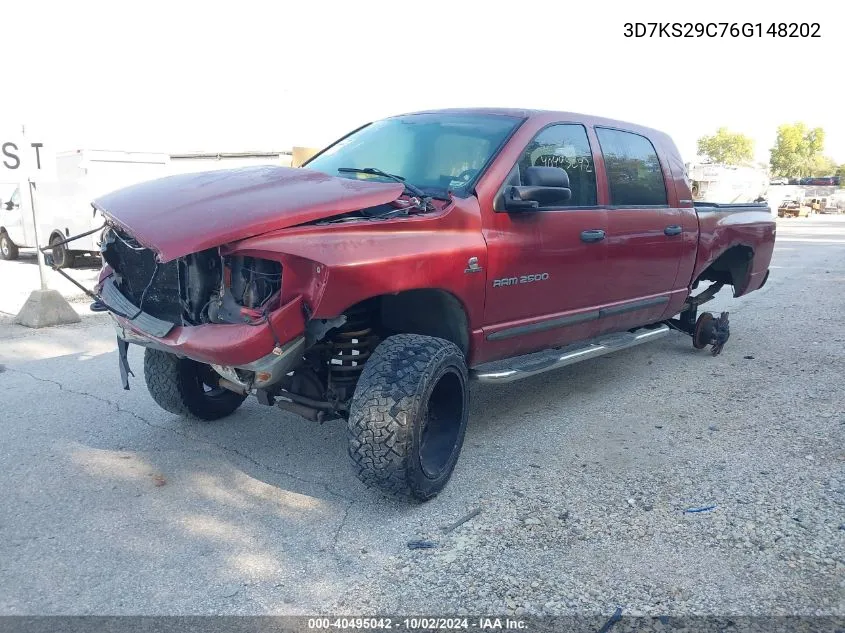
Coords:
646,238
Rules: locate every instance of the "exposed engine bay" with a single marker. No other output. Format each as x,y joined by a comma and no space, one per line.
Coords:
196,289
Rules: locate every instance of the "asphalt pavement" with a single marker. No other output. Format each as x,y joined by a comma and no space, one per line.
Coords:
659,479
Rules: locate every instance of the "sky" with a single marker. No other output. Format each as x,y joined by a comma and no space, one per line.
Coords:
183,76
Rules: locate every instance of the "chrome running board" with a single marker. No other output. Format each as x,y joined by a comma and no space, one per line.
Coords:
512,369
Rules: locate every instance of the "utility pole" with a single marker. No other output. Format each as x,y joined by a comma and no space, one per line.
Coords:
44,307
42,270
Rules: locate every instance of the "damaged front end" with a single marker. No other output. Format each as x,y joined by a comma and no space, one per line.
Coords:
229,312
175,281
172,305
196,289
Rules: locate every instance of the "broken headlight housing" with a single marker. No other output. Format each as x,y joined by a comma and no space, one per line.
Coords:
250,287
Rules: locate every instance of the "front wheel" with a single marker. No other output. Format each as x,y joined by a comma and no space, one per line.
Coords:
408,416
186,387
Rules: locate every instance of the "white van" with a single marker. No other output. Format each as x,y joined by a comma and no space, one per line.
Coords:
63,205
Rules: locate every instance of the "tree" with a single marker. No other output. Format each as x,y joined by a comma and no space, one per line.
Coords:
797,150
822,166
726,147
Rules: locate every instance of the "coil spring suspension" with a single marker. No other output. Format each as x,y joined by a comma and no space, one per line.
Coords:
351,346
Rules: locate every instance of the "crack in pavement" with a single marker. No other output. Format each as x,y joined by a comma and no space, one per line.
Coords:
340,527
188,436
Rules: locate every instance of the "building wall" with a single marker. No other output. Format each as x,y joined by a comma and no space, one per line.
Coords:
190,165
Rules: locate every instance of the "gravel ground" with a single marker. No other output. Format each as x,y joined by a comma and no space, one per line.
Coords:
583,480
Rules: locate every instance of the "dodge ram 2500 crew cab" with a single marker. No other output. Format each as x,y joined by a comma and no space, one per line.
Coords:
410,256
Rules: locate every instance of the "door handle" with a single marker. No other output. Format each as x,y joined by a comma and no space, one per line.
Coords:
592,235
673,229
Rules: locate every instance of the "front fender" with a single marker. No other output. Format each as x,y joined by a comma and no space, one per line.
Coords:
335,266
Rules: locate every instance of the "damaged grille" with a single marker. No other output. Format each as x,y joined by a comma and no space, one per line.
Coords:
191,290
150,285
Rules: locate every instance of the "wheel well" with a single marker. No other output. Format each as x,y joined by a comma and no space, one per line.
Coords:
427,311
337,349
731,267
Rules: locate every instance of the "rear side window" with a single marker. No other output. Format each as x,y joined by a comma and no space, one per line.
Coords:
633,170
565,146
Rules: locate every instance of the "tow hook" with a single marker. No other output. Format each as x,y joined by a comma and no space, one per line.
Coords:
232,386
711,331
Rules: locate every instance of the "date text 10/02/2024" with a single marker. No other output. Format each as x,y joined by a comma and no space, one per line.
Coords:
722,29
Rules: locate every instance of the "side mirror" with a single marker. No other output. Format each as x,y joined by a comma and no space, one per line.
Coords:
544,186
9,205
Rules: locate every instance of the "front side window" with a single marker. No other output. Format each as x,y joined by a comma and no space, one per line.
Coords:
565,146
634,175
436,152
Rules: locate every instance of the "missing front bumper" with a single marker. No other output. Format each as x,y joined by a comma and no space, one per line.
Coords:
117,302
263,373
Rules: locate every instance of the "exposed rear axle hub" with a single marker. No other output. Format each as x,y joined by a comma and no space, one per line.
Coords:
711,331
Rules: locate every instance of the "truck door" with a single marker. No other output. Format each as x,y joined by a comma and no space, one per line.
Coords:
12,219
648,235
545,271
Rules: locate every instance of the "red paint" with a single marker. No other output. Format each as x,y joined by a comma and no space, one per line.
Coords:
720,231
186,213
232,345
366,259
331,267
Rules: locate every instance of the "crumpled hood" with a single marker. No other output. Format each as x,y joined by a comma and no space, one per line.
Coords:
186,213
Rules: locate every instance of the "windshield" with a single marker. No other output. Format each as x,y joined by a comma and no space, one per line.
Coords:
435,152
9,193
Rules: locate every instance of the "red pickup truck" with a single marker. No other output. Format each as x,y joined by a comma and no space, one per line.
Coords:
410,256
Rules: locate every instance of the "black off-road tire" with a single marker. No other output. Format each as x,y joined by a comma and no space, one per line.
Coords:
408,416
8,250
176,384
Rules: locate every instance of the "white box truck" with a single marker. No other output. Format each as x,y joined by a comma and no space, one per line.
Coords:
64,205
